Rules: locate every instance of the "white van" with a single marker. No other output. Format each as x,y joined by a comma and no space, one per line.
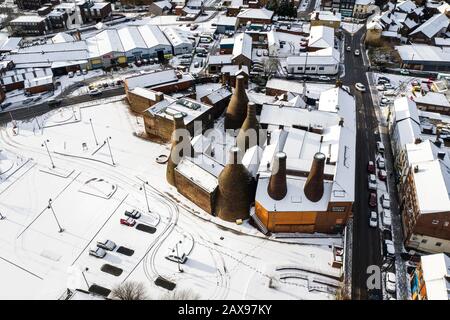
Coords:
380,146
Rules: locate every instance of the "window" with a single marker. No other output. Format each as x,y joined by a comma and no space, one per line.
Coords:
424,241
438,244
321,68
338,209
313,68
299,68
435,222
446,223
307,68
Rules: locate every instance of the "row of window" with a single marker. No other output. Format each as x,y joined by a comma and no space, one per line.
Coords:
310,68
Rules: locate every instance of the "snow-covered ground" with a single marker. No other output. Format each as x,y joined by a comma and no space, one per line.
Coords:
91,187
351,27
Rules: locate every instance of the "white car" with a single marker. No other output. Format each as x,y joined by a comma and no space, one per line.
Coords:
70,74
386,217
97,252
106,245
373,220
360,87
390,92
390,282
356,52
385,201
390,250
380,87
380,163
324,78
372,182
380,146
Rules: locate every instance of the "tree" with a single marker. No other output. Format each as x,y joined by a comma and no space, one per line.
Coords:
181,294
130,291
270,66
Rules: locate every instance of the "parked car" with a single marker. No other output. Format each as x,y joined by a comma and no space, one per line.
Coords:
382,175
370,167
54,103
196,64
259,52
78,72
27,101
386,217
380,163
134,214
390,92
373,220
404,71
97,252
380,87
372,182
356,52
385,201
70,74
385,101
388,86
388,247
106,245
360,87
380,146
84,71
390,282
349,48
382,80
193,27
373,199
5,105
128,222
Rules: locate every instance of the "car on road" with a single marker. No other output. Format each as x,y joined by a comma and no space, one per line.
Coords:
97,252
385,101
386,217
380,163
388,86
404,72
134,214
356,52
373,199
372,182
129,222
106,245
360,87
382,175
349,48
196,64
36,99
27,101
380,146
390,92
383,80
385,201
373,220
390,282
324,78
388,247
259,52
173,257
5,105
54,103
370,167
95,92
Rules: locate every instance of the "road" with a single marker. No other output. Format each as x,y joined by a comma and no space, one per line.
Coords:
309,9
366,240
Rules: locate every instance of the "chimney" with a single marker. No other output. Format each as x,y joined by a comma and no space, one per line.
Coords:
277,187
245,139
417,141
317,15
314,184
237,108
233,194
441,155
177,148
341,122
159,96
416,169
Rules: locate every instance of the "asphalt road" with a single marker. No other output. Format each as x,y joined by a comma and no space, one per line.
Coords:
366,240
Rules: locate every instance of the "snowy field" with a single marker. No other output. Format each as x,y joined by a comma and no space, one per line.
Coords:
90,187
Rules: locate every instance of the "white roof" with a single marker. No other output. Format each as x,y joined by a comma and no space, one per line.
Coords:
327,56
131,38
327,15
177,37
406,6
442,42
226,21
321,37
242,45
433,98
433,25
152,79
405,108
436,273
62,37
256,14
220,59
10,44
197,175
105,42
32,19
153,36
146,93
423,53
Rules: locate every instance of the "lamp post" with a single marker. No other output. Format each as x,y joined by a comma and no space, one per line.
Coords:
54,214
48,151
84,277
145,193
109,148
93,132
2,216
178,257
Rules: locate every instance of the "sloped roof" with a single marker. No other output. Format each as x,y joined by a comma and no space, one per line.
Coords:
321,37
433,25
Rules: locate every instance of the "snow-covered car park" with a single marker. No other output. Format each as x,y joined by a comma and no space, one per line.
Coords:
93,175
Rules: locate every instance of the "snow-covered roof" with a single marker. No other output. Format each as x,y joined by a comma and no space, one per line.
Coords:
218,95
423,53
29,19
226,21
145,93
234,69
321,37
153,36
62,37
251,13
152,79
107,41
436,274
10,44
364,2
444,8
163,4
189,108
326,15
177,37
433,25
406,6
327,56
197,175
286,85
405,108
242,46
220,59
442,42
131,38
433,98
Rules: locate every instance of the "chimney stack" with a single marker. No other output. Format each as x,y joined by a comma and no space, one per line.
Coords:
341,122
314,184
180,137
245,140
277,188
237,108
233,194
159,96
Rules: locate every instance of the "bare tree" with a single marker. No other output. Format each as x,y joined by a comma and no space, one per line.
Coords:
130,291
270,66
181,294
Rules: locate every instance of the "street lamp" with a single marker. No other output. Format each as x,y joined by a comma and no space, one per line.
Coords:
53,211
109,147
2,216
145,193
178,256
93,132
48,151
84,277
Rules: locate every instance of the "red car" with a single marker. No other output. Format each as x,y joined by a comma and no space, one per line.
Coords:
382,175
371,167
373,199
128,222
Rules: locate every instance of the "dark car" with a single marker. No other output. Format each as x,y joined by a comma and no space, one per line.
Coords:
5,105
371,167
134,214
373,199
54,103
128,222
